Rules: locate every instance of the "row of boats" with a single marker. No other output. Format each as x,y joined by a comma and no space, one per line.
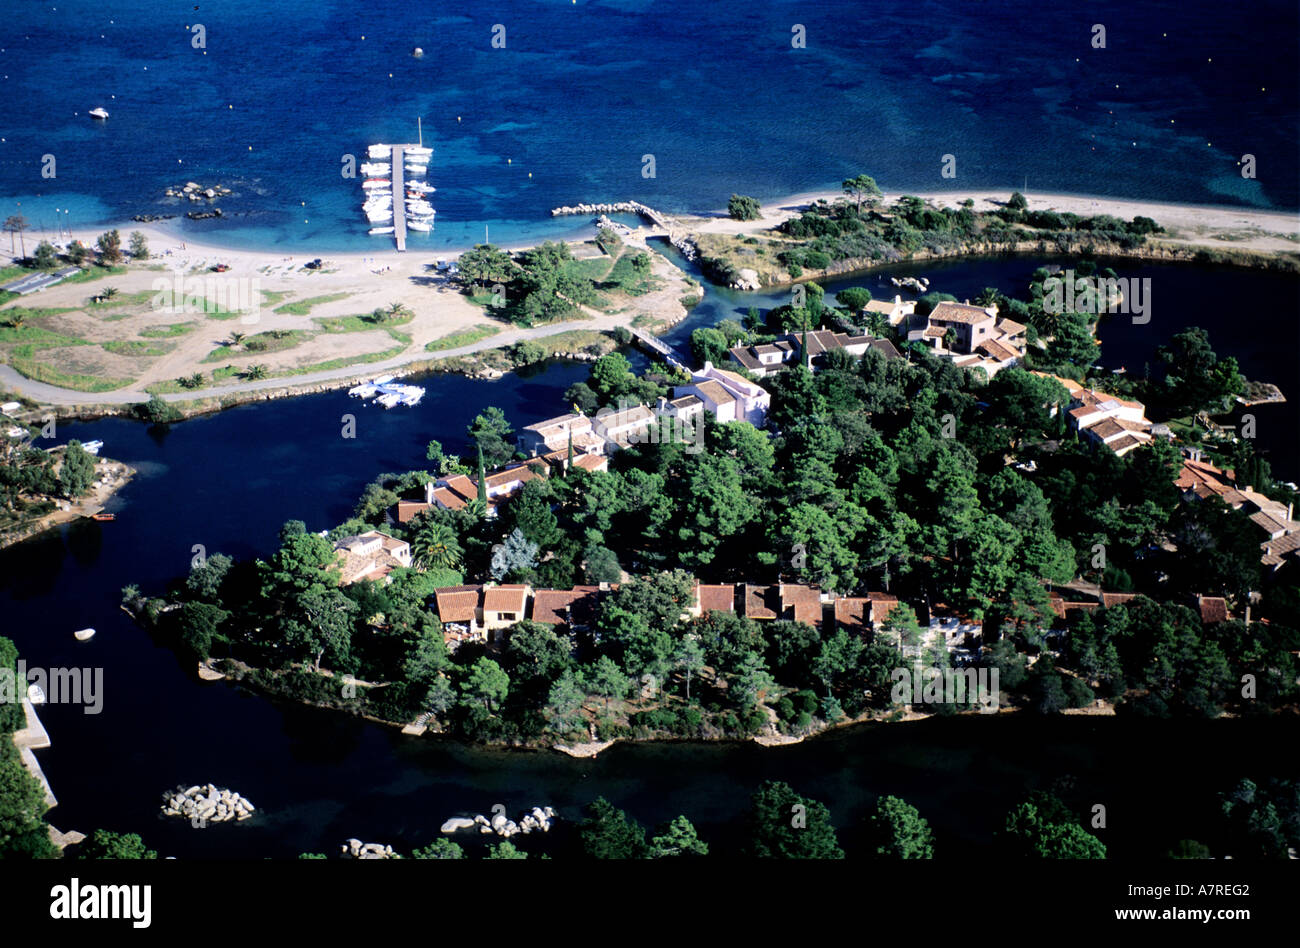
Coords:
388,393
378,187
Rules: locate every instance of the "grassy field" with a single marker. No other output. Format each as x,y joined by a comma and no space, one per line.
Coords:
45,373
166,332
261,344
304,307
464,337
364,323
134,347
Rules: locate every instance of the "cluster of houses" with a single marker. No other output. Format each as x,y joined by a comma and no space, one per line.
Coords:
482,613
1117,423
1199,479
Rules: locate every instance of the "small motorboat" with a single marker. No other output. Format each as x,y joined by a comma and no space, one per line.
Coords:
389,400
92,447
365,390
419,225
35,695
84,635
99,113
382,230
104,517
379,151
381,380
371,184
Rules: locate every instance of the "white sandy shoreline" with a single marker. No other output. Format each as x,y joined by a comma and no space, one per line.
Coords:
1192,222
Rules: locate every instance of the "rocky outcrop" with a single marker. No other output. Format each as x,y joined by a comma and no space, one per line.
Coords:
536,820
204,215
192,191
747,280
204,805
151,218
355,849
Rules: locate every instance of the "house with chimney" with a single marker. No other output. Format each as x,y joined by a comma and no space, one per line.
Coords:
970,336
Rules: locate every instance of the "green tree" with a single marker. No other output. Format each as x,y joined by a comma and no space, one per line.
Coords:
139,246
198,623
505,850
45,257
492,434
486,682
862,186
486,264
22,806
157,411
1196,379
781,824
434,544
77,472
609,833
898,831
105,844
110,247
854,299
741,207
440,848
677,838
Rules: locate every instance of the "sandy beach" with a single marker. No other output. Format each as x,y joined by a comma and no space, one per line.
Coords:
358,282
1209,225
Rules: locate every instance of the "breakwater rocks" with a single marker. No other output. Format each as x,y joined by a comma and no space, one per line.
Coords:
151,218
192,191
355,849
621,207
204,215
538,819
203,805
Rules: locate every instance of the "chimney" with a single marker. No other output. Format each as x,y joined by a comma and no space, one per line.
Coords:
663,406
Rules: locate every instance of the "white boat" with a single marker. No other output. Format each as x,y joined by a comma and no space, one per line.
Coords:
381,380
364,390
85,635
420,186
379,151
379,203
419,225
418,150
35,695
375,168
414,206
372,184
389,399
417,169
379,217
381,230
92,447
411,394
99,113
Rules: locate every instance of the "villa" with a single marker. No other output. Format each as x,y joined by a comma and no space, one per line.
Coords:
1200,479
767,359
728,396
971,336
371,555
1117,423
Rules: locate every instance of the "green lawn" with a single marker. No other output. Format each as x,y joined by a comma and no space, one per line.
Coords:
135,347
364,323
52,376
275,341
304,307
166,332
464,337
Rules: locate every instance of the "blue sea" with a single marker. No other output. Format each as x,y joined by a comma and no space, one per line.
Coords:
276,95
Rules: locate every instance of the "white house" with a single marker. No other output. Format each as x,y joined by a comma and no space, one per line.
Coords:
728,396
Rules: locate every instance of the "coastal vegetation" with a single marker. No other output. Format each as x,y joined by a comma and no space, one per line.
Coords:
845,234
909,476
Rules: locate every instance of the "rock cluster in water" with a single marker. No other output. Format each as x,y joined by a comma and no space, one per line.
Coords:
197,192
150,218
204,215
355,849
538,819
208,804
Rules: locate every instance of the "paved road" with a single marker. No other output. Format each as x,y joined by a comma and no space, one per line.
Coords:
54,395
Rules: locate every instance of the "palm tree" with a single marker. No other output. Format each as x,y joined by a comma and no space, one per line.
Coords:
16,318
255,372
110,292
16,224
391,312
235,338
434,545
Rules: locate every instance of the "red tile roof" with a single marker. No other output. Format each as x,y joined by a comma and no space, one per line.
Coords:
457,603
1213,608
716,598
511,597
756,602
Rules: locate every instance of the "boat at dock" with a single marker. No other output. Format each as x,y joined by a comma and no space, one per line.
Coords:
92,447
381,380
420,226
374,231
389,399
84,635
365,390
104,517
379,151
372,184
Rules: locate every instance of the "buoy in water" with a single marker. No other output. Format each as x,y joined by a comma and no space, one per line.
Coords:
417,52
85,635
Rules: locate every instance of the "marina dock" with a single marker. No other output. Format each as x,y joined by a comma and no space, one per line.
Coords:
399,195
397,158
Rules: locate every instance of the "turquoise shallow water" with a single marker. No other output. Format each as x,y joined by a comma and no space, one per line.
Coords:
582,92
